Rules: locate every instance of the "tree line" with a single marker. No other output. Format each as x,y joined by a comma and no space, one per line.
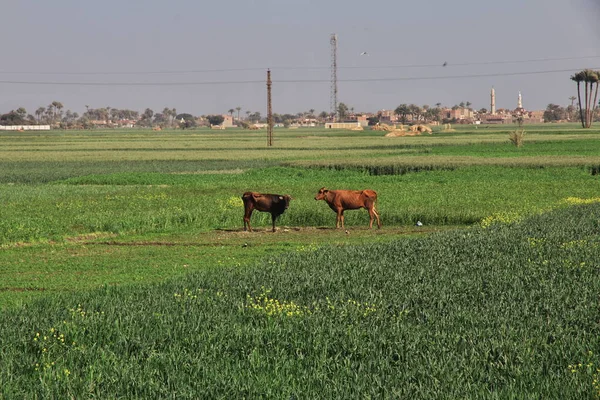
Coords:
558,113
589,79
55,116
586,111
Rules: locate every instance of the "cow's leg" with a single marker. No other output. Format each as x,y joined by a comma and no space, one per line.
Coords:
372,215
273,217
341,218
377,216
247,215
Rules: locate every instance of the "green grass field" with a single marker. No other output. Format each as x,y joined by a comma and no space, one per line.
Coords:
129,244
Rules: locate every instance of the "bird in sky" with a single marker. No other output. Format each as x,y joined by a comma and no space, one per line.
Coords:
364,53
444,64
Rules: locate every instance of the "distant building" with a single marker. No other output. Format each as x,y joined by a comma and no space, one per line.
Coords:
387,116
532,117
496,118
341,125
362,120
506,116
99,122
125,123
459,113
307,122
227,121
537,115
24,127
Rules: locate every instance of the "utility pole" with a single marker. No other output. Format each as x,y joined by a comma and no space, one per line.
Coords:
269,111
334,90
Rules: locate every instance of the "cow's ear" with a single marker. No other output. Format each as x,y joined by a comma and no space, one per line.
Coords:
325,190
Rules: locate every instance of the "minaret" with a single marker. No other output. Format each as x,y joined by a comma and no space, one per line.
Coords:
520,101
493,103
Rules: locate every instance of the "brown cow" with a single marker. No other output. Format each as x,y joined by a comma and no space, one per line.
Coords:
340,200
275,204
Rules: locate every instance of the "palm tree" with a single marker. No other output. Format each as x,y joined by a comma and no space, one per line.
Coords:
167,113
57,108
586,80
39,112
231,111
415,112
147,117
579,77
255,116
115,115
342,111
50,113
402,110
593,78
589,78
572,98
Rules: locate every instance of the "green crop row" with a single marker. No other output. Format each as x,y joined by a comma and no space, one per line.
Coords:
42,158
506,311
138,203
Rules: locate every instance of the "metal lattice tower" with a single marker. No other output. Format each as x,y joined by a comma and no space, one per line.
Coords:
334,90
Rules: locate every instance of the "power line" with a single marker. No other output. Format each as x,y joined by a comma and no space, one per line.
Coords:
192,83
463,64
297,68
130,83
191,71
420,78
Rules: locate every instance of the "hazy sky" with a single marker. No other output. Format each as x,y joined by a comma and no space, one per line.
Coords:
49,49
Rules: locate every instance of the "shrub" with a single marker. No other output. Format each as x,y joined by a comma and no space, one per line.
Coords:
517,137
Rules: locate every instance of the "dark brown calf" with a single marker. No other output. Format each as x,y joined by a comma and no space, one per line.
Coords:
340,200
275,204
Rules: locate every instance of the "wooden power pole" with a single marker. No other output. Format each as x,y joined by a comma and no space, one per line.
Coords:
269,111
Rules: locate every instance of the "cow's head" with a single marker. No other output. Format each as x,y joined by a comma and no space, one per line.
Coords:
322,193
287,199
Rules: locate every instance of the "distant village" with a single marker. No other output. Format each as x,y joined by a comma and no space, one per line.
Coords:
459,114
54,117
